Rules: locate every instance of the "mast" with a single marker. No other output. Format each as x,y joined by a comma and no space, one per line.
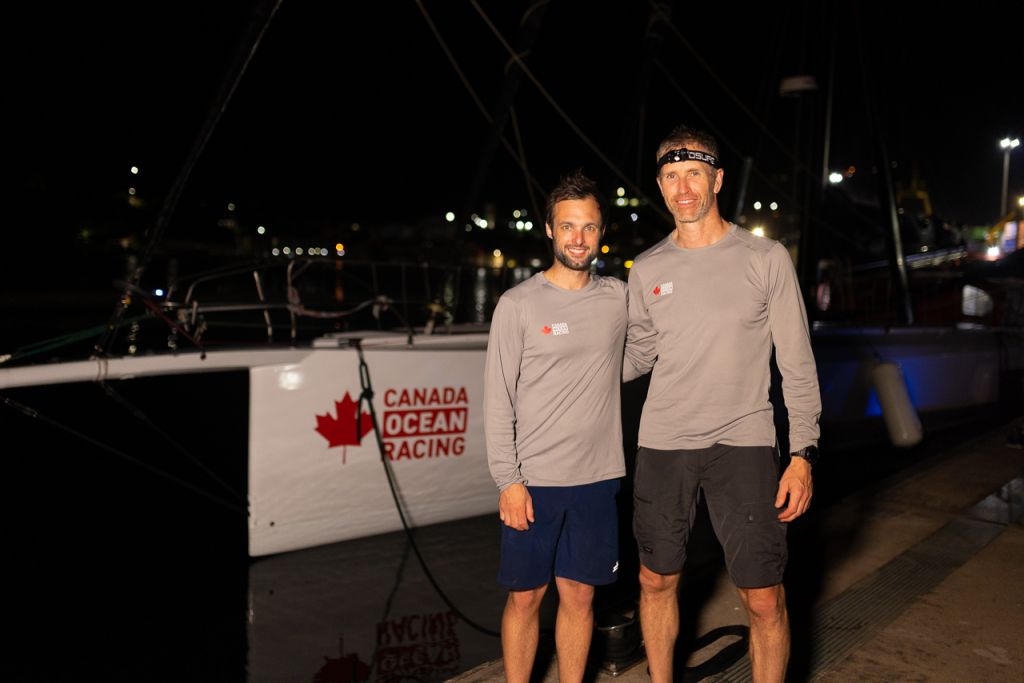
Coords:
887,194
531,23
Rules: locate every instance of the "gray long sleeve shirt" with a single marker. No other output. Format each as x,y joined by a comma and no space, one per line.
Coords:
706,319
551,384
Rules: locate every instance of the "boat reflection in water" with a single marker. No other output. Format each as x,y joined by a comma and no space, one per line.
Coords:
365,610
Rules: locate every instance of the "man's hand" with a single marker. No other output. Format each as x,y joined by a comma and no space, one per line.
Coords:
796,485
515,507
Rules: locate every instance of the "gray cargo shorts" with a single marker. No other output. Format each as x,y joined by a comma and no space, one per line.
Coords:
739,484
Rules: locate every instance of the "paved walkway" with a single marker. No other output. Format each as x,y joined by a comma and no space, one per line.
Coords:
919,578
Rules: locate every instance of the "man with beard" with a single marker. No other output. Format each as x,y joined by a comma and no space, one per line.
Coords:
554,434
706,306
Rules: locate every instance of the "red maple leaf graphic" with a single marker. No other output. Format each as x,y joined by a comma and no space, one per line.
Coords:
345,669
657,290
342,430
546,329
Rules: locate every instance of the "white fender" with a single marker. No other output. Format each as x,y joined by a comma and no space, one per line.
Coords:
900,416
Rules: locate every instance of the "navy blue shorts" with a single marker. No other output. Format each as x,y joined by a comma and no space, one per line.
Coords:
575,536
739,483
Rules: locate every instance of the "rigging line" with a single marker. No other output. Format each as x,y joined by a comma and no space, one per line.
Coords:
476,99
52,343
214,273
137,413
766,99
728,91
34,414
693,105
760,174
452,61
175,326
367,395
872,124
222,272
256,29
375,658
565,117
714,129
531,9
522,153
379,300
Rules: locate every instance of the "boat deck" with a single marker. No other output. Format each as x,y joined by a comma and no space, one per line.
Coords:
919,577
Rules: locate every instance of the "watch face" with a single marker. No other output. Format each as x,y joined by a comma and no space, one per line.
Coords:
810,454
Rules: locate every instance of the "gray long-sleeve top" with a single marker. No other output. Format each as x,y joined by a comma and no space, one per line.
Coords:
551,384
705,319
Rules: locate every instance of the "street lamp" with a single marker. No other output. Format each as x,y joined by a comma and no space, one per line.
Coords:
1007,144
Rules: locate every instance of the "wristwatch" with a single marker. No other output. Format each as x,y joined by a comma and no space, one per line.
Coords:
808,453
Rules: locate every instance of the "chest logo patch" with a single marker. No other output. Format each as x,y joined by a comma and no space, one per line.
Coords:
662,289
556,329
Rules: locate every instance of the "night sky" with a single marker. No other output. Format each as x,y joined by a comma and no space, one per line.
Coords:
352,113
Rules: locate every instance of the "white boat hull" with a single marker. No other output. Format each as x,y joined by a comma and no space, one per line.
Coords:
312,480
309,487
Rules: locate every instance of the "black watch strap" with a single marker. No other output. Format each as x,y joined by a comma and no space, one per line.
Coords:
808,453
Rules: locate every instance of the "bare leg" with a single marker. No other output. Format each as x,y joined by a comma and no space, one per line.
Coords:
769,632
573,628
520,630
659,620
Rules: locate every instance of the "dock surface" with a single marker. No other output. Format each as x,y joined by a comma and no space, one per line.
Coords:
919,577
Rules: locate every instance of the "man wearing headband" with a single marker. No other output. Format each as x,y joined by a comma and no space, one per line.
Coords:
706,307
554,434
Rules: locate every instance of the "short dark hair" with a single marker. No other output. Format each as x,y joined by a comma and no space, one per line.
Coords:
575,185
684,136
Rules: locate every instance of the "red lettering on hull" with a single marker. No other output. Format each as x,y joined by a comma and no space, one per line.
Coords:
434,422
417,449
425,396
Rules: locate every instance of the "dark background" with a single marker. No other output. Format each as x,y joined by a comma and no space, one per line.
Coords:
349,120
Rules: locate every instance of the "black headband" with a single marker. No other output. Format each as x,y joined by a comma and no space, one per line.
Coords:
675,155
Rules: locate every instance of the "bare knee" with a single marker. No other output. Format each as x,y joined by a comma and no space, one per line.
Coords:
765,604
655,584
573,594
526,602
